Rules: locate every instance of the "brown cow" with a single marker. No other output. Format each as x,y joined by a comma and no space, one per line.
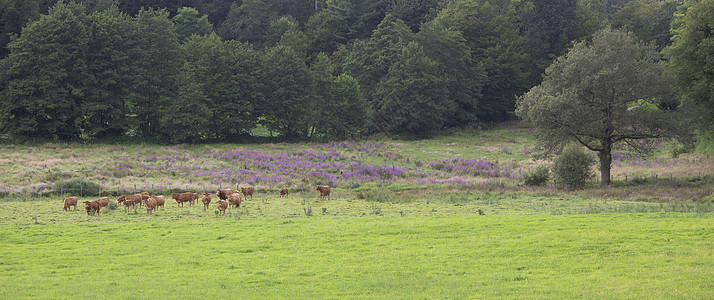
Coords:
70,201
223,194
160,200
284,192
235,199
183,197
92,205
150,205
195,198
129,200
222,206
247,191
206,199
324,191
104,201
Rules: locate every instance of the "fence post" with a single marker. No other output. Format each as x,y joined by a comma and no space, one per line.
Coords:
135,188
80,190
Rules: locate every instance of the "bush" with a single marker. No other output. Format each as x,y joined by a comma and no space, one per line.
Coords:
78,187
572,167
539,176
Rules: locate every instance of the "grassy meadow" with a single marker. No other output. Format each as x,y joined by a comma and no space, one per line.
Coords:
447,217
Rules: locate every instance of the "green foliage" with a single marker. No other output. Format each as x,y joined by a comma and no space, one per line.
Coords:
691,57
491,31
571,168
414,99
45,72
188,22
548,27
78,187
649,20
539,176
588,96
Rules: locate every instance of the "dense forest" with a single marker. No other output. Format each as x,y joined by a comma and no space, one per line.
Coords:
214,70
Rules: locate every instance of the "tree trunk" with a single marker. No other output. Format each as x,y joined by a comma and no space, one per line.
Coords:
605,162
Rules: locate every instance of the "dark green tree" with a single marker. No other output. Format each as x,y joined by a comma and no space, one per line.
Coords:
287,91
548,28
649,20
370,60
187,117
691,56
463,76
223,76
156,59
491,31
188,21
322,34
600,94
111,70
413,99
46,73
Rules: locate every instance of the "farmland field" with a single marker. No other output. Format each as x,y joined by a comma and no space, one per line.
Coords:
442,218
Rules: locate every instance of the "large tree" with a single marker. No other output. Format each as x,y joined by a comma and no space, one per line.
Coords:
691,55
46,75
600,94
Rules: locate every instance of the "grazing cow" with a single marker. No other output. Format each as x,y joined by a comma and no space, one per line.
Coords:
324,191
206,199
70,201
144,195
247,191
195,198
183,197
223,194
104,201
92,205
129,200
160,200
284,192
222,206
150,205
235,199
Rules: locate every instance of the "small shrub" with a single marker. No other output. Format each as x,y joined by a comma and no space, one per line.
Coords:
572,167
539,176
78,187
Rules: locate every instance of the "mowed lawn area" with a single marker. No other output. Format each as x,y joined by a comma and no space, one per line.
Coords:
194,254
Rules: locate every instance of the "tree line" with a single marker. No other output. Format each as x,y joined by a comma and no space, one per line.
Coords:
193,71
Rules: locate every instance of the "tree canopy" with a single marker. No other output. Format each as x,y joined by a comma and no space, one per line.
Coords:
74,70
600,94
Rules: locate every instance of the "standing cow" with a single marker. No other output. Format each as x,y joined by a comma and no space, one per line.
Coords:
284,192
324,191
70,201
222,205
183,197
234,199
206,199
247,191
92,205
223,194
150,205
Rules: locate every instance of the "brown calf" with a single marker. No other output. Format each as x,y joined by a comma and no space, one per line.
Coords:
247,191
284,192
235,199
324,191
222,205
70,201
206,199
92,205
150,205
160,200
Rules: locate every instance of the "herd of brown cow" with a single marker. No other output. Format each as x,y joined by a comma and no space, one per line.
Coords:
227,197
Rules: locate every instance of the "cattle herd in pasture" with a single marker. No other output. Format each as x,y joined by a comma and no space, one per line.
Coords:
226,198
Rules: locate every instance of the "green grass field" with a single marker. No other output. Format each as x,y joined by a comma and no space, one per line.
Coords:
489,238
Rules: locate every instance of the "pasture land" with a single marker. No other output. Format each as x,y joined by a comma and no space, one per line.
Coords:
633,255
447,217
